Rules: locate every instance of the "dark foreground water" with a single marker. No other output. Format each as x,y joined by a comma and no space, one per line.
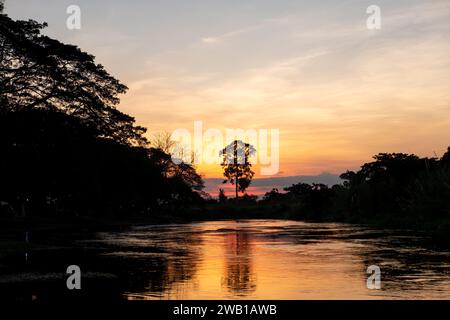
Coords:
248,259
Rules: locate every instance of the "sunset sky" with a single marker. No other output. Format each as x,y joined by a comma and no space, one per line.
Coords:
338,92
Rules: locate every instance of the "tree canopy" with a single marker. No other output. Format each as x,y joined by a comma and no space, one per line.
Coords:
394,188
37,71
66,148
237,168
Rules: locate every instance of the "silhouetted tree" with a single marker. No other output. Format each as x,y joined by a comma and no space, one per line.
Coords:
163,141
395,188
314,199
272,195
65,147
222,196
446,158
48,156
237,168
39,72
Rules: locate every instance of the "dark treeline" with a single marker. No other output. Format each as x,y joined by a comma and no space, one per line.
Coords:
65,148
395,189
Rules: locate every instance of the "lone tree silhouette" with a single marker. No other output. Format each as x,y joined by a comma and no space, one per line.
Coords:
236,166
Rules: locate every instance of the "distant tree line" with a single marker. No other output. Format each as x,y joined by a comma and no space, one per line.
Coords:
65,147
395,188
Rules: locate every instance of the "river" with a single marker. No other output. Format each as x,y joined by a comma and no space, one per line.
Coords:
262,259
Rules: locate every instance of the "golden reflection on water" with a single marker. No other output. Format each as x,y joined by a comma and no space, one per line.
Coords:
263,259
238,277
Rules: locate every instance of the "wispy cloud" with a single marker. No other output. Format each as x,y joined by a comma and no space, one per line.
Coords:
265,23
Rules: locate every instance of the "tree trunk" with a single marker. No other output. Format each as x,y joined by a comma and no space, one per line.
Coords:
236,164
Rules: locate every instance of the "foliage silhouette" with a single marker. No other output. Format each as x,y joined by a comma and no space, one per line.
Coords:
222,196
66,149
39,72
394,189
236,165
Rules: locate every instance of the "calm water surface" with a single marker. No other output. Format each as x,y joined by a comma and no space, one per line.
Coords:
275,259
247,259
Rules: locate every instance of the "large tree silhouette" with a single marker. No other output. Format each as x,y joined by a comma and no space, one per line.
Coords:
66,149
237,168
39,72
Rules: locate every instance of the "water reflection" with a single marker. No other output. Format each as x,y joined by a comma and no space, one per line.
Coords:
249,259
154,262
267,259
239,277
